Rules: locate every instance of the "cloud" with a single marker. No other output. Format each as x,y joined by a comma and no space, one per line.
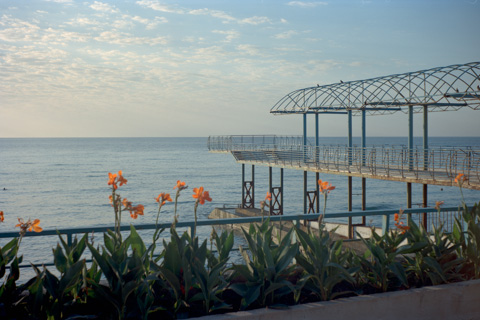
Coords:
356,64
157,6
83,21
103,7
16,30
218,14
230,34
60,1
254,20
120,38
213,13
285,35
248,49
304,4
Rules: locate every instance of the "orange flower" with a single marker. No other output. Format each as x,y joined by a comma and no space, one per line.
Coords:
268,197
29,225
1,216
325,186
136,211
438,204
399,224
163,198
201,195
121,179
396,217
35,226
127,204
460,179
180,185
112,180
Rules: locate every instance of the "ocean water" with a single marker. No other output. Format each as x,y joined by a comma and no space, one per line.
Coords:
63,182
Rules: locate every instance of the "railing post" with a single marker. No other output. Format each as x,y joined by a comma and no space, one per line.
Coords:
385,223
192,231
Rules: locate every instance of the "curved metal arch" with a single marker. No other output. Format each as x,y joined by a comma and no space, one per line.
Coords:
441,89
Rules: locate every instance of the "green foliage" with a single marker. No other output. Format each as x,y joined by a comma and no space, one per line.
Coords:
10,294
265,276
125,268
469,244
192,274
381,265
433,259
125,281
323,261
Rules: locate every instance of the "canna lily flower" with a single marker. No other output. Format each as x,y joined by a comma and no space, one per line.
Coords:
399,224
1,216
460,179
163,198
201,195
396,217
325,186
268,197
29,225
136,211
35,226
180,185
438,204
127,204
111,180
121,179
325,189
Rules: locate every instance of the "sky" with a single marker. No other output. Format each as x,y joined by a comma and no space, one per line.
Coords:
152,68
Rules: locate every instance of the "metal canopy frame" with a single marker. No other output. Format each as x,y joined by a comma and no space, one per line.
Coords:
439,89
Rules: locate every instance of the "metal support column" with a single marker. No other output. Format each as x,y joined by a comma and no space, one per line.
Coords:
350,146
410,156
253,186
350,226
281,186
424,215
317,174
364,180
248,189
305,190
425,163
305,196
304,137
409,199
270,187
317,159
425,138
243,185
410,137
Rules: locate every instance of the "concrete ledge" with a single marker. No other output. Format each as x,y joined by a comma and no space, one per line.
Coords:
458,301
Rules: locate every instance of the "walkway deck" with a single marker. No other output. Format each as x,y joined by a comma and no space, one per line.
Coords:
436,166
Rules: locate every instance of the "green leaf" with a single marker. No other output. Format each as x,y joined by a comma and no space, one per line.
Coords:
135,241
59,259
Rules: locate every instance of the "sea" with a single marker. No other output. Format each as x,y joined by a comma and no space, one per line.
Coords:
63,182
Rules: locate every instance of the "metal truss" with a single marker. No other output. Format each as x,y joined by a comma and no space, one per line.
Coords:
440,89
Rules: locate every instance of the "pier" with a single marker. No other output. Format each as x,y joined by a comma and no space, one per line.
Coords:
439,89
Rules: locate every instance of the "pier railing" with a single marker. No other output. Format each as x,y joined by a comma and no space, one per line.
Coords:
444,216
435,165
